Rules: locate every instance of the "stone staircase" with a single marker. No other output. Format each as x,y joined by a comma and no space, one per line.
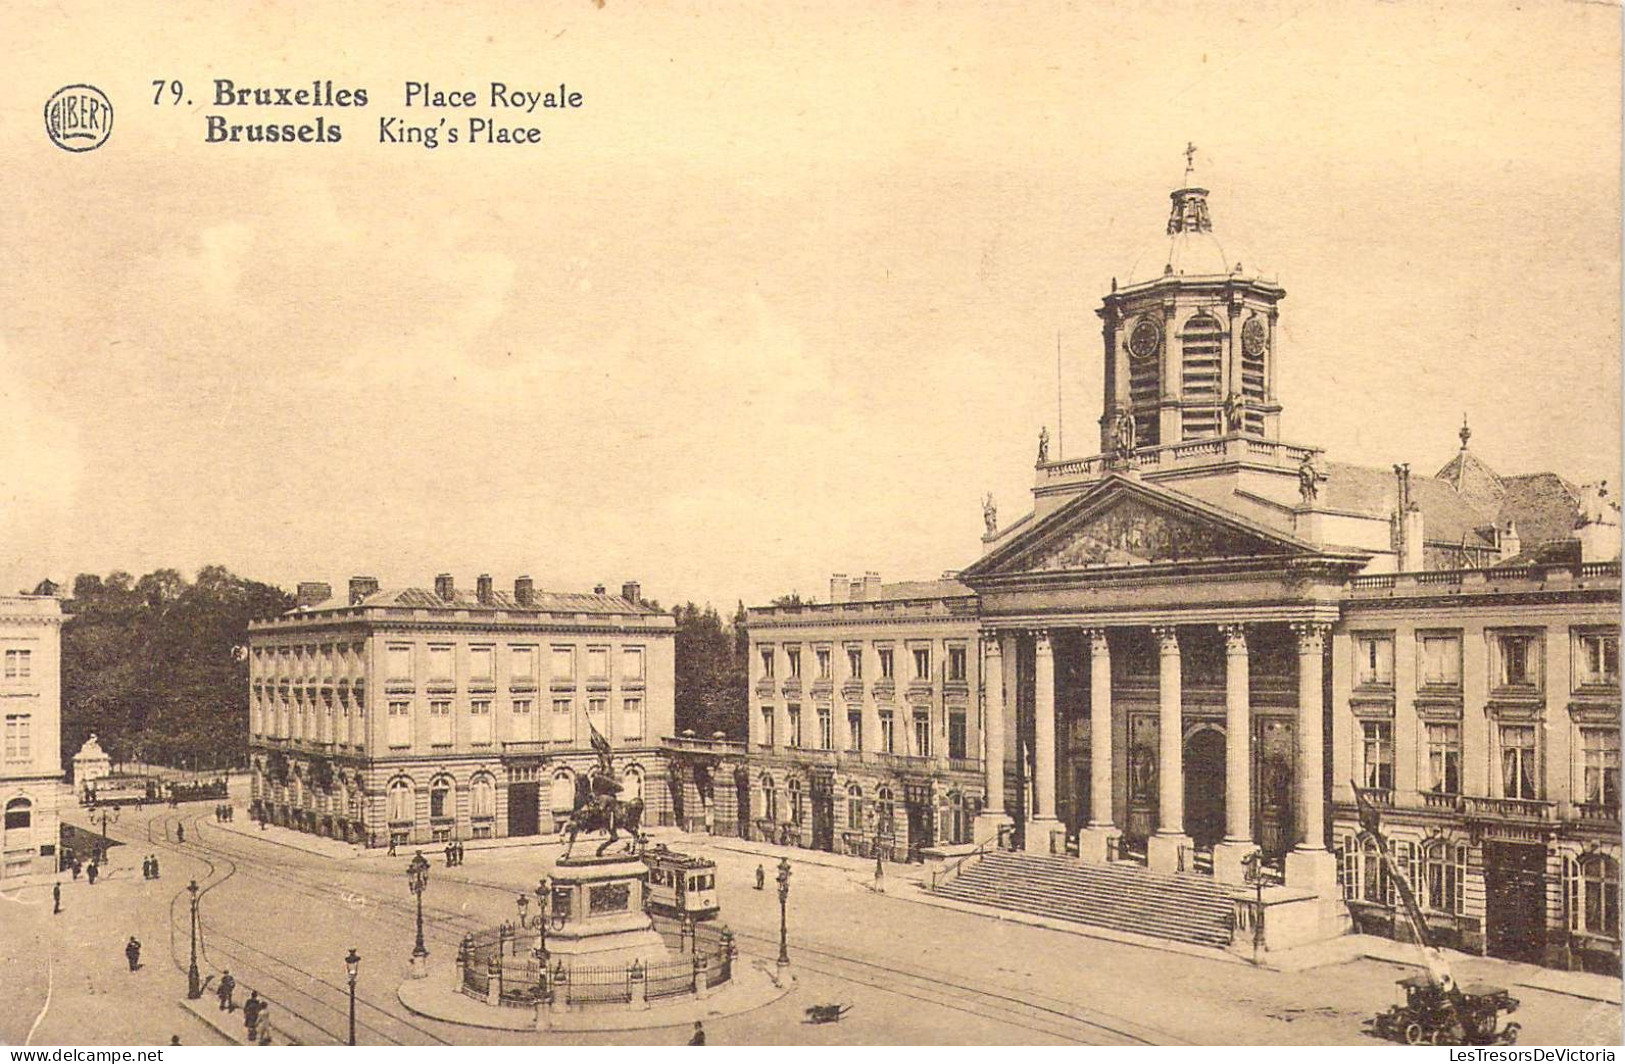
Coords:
1183,908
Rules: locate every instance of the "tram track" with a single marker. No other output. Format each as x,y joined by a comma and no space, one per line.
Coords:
265,968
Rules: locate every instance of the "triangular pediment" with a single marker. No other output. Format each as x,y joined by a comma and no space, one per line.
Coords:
1121,522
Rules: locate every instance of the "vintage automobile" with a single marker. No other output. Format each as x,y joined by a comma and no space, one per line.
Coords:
1432,1014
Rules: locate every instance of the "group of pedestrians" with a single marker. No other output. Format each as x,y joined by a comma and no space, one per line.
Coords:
454,853
256,1019
149,866
222,813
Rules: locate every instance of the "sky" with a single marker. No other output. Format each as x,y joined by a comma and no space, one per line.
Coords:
783,297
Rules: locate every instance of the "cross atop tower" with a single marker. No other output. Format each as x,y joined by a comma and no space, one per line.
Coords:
1190,160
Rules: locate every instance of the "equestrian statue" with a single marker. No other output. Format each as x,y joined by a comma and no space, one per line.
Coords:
598,806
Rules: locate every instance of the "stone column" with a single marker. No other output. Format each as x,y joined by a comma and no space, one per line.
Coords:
1310,866
1238,801
993,815
1092,840
1170,847
1041,819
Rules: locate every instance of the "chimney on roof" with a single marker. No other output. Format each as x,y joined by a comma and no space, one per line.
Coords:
598,589
840,588
312,593
482,590
1510,542
524,591
871,586
361,587
445,589
632,592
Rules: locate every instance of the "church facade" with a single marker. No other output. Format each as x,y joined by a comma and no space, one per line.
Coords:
1205,637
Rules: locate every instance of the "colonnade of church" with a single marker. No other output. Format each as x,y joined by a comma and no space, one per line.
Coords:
1021,664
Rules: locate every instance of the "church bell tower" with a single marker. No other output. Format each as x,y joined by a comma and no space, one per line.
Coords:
1190,345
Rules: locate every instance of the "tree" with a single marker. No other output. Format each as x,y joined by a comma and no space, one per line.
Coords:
150,664
710,678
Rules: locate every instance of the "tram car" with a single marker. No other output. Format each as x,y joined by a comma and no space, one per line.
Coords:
681,885
122,790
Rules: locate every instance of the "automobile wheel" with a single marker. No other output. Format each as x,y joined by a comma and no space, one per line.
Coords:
1510,1035
1413,1034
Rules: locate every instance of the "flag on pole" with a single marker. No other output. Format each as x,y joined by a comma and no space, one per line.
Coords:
600,745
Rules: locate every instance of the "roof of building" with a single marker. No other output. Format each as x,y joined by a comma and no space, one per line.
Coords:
1543,506
920,589
544,602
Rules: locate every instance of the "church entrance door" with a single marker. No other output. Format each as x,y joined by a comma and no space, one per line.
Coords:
1204,786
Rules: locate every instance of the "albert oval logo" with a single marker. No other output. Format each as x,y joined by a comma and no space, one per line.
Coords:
79,118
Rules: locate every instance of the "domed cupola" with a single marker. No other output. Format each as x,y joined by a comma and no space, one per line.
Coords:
1190,344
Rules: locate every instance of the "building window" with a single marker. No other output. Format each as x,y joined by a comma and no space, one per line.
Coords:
1202,376
767,725
1377,755
597,664
793,656
1601,746
1596,660
823,664
1593,894
1374,660
796,806
519,729
794,713
564,663
398,663
956,664
884,812
1440,660
400,724
440,799
1519,770
770,799
631,718
888,732
1444,877
956,736
854,663
522,663
767,663
1364,876
440,666
922,734
402,803
479,715
1515,660
19,737
482,798
885,663
854,808
854,729
922,663
440,723
482,664
631,663
19,664
564,720
597,710
1444,758
826,728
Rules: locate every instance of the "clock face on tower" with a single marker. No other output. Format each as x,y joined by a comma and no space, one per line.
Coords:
1146,339
1254,338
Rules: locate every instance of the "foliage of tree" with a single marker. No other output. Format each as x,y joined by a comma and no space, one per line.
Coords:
156,667
711,671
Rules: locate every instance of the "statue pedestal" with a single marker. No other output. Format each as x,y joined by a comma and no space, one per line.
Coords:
598,914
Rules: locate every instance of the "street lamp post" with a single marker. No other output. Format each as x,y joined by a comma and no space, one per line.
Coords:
194,981
784,899
417,878
352,965
544,896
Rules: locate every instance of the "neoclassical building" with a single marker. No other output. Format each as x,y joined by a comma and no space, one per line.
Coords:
1201,638
31,714
431,715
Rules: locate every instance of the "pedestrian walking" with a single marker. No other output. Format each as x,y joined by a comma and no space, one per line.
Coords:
77,868
132,953
391,852
448,855
231,813
761,876
155,866
228,986
56,897
251,1013
698,1037
91,871
880,875
180,832
146,867
459,853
